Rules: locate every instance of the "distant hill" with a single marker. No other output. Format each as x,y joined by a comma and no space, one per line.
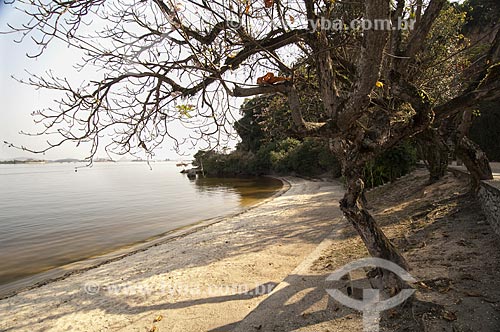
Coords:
23,161
67,160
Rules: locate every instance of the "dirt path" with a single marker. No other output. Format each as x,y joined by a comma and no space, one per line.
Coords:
199,282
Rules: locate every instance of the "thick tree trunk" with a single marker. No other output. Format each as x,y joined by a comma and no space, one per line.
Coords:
377,243
434,152
475,160
470,153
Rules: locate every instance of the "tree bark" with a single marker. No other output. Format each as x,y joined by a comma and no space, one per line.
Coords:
475,160
434,152
378,245
470,153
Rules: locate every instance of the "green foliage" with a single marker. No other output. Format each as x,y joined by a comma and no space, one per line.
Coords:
267,118
312,157
220,164
248,127
485,129
309,157
267,146
390,165
287,156
185,109
266,132
443,61
282,153
481,14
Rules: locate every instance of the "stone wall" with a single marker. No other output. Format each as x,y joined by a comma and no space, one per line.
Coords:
489,197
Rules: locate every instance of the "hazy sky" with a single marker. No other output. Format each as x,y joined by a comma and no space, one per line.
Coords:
18,100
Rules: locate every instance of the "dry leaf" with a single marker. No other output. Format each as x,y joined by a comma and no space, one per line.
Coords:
472,294
424,286
448,315
179,7
269,78
392,313
268,3
445,289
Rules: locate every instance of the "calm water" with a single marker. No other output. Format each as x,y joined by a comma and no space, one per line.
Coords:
51,215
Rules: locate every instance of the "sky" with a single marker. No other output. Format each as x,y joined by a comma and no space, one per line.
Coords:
18,101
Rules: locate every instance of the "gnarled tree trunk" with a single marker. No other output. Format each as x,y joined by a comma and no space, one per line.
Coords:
474,159
434,151
470,153
378,245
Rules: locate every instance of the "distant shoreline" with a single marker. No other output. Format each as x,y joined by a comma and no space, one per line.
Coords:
74,161
18,162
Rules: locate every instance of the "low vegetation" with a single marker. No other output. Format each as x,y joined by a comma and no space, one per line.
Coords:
266,148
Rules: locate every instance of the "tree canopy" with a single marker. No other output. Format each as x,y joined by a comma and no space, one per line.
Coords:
179,61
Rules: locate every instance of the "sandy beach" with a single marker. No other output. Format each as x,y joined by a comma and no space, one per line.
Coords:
265,269
203,281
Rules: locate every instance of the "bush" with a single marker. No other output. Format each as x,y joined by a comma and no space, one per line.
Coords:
287,156
219,164
308,158
485,130
390,165
311,158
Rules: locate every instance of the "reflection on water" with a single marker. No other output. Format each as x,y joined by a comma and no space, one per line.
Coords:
250,190
51,215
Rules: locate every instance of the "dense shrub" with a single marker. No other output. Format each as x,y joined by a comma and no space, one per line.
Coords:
486,129
311,157
308,158
390,165
287,156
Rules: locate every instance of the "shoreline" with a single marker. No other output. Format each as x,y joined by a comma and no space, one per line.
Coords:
62,272
186,280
